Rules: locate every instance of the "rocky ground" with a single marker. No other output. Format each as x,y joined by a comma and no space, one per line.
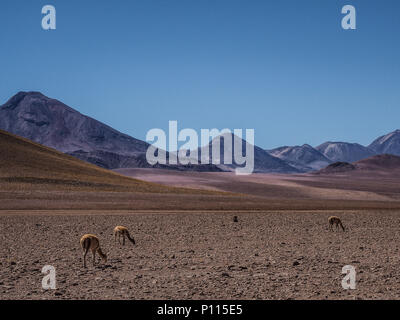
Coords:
266,255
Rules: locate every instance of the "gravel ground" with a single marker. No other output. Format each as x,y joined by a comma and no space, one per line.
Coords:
266,255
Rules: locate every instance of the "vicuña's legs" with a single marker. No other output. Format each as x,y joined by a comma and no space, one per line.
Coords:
94,257
119,238
123,239
84,256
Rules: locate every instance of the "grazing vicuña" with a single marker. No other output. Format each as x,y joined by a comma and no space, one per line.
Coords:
335,220
91,242
122,231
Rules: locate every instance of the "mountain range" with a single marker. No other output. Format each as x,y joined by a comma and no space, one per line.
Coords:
51,123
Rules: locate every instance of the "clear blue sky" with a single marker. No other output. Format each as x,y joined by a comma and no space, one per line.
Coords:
285,68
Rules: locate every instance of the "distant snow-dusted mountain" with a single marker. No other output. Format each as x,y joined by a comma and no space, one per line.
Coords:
304,158
389,143
344,151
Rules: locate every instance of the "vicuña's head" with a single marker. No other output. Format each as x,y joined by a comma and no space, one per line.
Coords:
103,255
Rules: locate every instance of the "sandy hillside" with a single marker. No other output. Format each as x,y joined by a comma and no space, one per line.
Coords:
25,165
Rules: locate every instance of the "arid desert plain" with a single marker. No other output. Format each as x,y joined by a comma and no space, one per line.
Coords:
203,255
187,243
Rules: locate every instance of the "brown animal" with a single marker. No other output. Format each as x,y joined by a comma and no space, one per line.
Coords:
121,231
91,242
335,220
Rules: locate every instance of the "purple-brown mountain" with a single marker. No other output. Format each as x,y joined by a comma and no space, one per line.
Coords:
54,124
382,164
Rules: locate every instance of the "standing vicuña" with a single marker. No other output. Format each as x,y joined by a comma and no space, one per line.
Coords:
91,242
122,231
335,220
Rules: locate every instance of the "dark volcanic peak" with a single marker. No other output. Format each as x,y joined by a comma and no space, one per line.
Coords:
52,123
389,143
304,158
344,151
14,101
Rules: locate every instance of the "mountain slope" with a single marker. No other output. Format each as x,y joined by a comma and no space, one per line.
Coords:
382,162
344,151
113,160
389,143
304,158
385,164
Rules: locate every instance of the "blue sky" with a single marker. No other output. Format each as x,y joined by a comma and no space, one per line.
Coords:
285,68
